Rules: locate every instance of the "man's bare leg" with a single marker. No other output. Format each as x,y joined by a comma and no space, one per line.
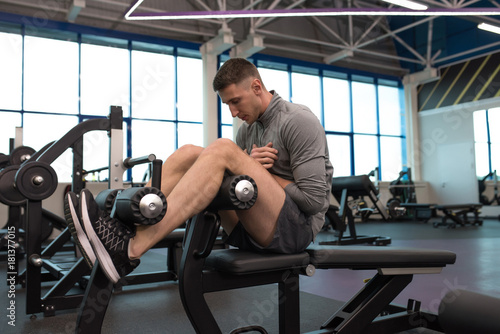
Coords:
176,165
199,185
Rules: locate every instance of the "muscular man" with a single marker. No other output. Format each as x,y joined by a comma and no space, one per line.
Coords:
281,145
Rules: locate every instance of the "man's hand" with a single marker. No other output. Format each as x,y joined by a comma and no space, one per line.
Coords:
265,155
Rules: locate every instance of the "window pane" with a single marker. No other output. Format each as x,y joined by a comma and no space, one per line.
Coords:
482,167
494,125
225,114
190,89
337,105
10,71
480,130
495,157
162,146
104,79
54,127
51,75
339,148
364,108
389,110
190,134
8,129
306,91
227,132
365,154
153,93
96,154
276,80
390,152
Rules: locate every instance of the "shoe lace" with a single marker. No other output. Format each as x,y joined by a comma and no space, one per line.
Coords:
113,232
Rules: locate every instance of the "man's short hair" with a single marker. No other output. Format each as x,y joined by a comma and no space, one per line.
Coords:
234,71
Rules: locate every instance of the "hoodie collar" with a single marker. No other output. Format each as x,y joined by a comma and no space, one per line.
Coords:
271,111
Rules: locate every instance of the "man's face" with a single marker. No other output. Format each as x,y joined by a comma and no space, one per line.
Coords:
243,100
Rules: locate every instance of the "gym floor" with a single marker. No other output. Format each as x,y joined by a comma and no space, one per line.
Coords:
156,308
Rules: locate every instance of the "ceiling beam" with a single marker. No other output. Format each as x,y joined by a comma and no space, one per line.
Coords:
429,42
468,52
341,47
252,45
338,56
74,10
329,30
269,20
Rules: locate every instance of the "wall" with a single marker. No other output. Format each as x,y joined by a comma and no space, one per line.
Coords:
447,152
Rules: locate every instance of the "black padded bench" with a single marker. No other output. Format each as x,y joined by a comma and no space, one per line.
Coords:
341,217
358,186
458,214
231,269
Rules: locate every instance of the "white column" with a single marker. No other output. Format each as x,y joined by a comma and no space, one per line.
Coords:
413,153
252,45
209,52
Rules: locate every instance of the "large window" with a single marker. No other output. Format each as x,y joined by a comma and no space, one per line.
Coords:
51,81
364,125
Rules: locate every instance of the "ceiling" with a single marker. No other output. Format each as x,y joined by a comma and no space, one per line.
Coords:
390,44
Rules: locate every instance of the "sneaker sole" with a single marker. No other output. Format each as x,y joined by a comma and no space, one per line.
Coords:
79,235
100,251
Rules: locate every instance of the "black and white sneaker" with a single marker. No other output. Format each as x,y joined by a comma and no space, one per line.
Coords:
109,238
72,215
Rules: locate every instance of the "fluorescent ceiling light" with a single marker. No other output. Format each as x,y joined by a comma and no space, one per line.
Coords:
407,4
232,14
489,27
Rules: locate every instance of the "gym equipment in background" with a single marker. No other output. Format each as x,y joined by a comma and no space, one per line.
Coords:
483,199
341,218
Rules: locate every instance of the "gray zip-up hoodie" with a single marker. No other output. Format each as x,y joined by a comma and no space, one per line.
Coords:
302,154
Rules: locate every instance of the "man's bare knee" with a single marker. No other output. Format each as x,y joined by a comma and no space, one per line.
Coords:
190,150
223,148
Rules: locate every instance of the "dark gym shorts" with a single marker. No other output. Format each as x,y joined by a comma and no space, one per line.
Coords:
293,233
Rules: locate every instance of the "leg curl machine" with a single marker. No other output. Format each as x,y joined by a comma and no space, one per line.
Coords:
34,181
204,270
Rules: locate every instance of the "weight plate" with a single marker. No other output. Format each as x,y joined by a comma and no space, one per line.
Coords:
9,195
36,180
392,206
47,229
21,154
4,160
